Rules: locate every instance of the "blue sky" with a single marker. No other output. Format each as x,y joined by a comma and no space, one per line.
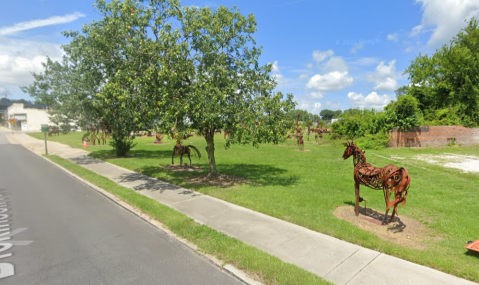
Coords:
330,54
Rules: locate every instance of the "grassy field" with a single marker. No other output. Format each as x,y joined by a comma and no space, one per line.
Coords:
306,187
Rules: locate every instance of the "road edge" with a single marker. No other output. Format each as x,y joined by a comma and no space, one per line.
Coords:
226,267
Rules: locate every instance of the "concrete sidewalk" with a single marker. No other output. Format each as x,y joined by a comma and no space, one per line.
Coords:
332,259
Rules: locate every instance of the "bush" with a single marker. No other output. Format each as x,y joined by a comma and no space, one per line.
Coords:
374,141
122,145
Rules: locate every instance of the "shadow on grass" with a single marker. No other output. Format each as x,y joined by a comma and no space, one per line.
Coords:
137,154
262,175
472,253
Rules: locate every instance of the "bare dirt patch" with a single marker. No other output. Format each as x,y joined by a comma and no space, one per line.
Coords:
302,150
466,163
160,143
221,180
403,231
183,168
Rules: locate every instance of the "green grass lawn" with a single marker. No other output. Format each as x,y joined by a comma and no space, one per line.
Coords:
306,187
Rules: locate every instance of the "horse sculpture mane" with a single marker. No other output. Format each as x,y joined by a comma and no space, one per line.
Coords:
391,179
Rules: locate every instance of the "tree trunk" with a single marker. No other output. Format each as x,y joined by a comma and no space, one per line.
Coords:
210,149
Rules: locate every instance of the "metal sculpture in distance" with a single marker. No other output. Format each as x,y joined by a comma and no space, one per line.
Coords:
182,150
391,179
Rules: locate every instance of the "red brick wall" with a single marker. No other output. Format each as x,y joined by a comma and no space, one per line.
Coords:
434,136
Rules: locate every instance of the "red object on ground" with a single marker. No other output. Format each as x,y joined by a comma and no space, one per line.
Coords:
85,145
473,245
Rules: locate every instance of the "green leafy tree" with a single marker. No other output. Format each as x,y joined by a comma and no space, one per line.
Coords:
213,80
120,56
327,114
403,114
450,77
63,89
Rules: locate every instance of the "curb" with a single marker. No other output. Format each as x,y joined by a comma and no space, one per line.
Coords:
228,268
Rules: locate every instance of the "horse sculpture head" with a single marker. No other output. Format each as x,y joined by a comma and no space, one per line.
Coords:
350,148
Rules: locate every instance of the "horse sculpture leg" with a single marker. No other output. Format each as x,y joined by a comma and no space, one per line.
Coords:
387,194
385,217
181,159
188,153
356,188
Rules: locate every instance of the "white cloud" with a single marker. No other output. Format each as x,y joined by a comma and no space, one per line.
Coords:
364,61
333,105
332,81
445,18
303,76
311,106
385,76
335,63
409,49
316,95
285,82
393,37
416,30
356,47
19,58
275,66
55,20
319,56
372,100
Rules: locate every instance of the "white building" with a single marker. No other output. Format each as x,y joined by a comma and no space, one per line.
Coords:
30,117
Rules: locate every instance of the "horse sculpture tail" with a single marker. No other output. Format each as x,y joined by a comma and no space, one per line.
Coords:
398,180
196,149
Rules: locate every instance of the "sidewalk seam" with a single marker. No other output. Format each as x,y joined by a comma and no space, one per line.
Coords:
363,268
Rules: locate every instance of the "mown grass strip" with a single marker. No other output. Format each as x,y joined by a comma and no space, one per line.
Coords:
267,268
305,188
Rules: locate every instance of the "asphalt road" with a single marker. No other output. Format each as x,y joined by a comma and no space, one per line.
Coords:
63,232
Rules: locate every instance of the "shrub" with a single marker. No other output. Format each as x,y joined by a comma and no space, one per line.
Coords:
374,141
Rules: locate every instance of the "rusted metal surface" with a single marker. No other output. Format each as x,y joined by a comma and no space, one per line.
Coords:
182,150
301,142
393,180
473,245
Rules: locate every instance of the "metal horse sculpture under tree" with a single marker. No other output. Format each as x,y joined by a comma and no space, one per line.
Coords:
390,179
182,150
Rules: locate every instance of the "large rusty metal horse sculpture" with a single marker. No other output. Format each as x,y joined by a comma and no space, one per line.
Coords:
390,179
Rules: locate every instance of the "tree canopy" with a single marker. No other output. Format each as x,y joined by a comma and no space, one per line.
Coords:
327,114
155,63
448,81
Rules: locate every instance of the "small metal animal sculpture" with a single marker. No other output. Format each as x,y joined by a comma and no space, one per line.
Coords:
158,137
298,129
53,130
301,142
390,179
182,150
